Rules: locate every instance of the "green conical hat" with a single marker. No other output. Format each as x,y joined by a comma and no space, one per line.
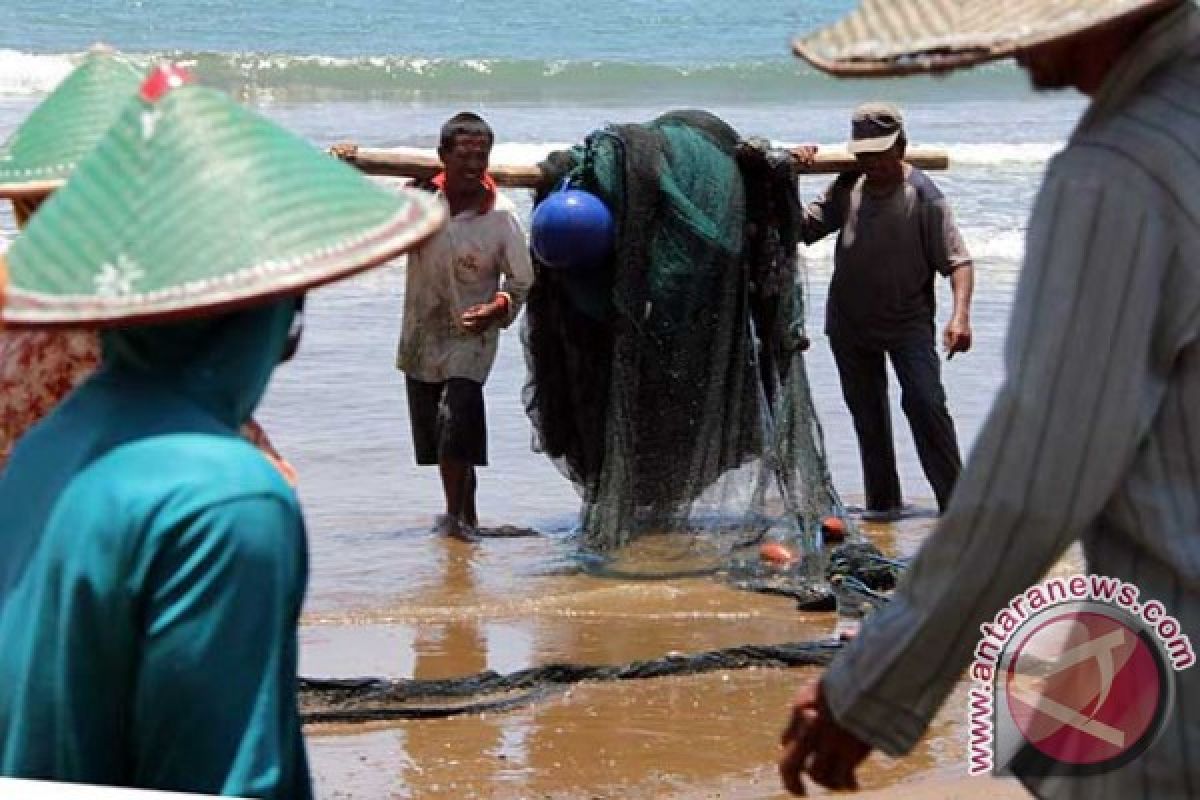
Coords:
42,152
192,204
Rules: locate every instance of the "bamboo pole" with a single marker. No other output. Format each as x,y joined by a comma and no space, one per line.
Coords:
408,163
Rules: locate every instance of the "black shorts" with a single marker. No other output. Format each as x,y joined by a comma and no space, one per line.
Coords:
448,421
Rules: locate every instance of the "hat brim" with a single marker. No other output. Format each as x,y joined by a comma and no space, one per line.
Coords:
880,144
870,42
216,208
10,191
420,219
43,151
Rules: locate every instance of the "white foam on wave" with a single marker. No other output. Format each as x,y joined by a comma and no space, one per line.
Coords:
984,244
30,73
1001,245
986,153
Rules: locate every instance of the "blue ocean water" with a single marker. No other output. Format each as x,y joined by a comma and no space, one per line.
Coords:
388,73
544,75
656,31
429,48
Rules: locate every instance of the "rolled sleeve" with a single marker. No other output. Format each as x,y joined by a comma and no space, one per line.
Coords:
947,250
1087,362
827,213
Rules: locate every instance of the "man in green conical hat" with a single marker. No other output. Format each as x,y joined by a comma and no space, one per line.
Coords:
38,367
152,565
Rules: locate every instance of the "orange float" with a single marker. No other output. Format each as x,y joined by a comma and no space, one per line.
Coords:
776,553
834,528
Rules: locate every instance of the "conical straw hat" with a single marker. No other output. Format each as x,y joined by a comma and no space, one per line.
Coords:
898,37
191,204
42,152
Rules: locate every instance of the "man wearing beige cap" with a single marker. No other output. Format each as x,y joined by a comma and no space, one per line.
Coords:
1093,437
895,234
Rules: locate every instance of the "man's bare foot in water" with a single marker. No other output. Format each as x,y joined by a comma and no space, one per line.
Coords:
454,528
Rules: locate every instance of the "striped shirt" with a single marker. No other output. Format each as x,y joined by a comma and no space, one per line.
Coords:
1095,434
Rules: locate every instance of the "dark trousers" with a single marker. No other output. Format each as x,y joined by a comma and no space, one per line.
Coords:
863,374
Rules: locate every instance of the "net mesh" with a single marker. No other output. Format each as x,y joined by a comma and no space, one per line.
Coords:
670,386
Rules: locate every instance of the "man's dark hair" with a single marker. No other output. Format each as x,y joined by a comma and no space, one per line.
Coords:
464,123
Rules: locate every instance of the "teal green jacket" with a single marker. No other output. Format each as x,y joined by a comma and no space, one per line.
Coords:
152,570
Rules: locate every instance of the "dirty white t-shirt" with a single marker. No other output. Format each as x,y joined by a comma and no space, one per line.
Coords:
466,263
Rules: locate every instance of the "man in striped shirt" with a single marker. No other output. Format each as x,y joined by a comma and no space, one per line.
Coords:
1095,435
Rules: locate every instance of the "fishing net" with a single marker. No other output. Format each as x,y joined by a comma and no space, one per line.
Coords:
670,385
369,699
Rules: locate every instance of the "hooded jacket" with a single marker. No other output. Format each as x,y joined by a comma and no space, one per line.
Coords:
152,570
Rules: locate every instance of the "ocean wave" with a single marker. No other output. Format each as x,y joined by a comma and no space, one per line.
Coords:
999,245
986,153
25,73
300,76
984,244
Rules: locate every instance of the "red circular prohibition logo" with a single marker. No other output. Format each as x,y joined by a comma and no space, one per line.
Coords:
1085,689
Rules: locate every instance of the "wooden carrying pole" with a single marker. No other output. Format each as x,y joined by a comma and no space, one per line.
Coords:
420,166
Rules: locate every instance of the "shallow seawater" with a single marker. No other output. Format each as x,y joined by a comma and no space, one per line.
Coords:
390,598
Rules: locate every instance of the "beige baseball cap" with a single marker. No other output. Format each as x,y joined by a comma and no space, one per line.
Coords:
874,128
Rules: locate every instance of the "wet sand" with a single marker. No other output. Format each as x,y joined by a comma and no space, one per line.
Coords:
712,735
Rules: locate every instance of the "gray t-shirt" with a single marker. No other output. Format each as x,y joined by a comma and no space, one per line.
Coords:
888,249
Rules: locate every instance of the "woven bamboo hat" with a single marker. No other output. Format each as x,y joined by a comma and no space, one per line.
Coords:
191,204
40,155
899,37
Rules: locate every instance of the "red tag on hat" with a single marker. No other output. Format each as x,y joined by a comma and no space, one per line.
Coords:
163,79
